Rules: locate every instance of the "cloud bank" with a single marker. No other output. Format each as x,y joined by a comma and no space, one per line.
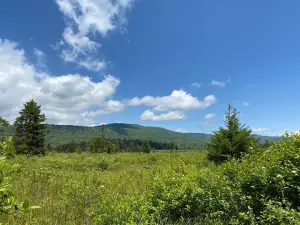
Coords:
66,99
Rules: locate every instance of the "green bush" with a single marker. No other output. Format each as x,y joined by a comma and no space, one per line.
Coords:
264,188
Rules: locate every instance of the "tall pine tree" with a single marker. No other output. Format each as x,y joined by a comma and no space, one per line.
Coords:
232,141
29,135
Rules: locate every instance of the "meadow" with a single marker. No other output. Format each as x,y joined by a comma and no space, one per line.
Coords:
163,187
89,188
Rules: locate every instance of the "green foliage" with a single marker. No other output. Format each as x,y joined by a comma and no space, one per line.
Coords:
29,137
101,145
7,148
163,187
62,134
233,141
78,150
146,147
3,124
110,147
119,145
266,144
8,203
262,188
7,198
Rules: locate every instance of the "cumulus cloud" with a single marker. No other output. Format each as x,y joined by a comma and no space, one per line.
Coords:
178,100
85,19
66,99
220,83
149,115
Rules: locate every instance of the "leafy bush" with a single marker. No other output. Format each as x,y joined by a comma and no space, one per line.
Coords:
264,188
8,202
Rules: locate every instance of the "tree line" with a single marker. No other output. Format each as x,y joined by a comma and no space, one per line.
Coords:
232,141
97,144
29,137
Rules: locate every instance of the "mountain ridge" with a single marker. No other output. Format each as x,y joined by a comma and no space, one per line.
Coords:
62,134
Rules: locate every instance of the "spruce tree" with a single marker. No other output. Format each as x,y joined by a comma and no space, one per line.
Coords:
232,141
29,137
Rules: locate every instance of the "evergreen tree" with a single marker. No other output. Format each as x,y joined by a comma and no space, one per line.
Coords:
29,135
146,147
3,124
232,141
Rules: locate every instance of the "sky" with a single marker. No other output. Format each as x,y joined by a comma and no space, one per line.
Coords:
174,64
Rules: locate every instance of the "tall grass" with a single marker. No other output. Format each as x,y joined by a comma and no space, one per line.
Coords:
89,188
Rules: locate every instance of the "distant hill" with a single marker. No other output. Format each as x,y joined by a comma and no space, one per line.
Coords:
60,134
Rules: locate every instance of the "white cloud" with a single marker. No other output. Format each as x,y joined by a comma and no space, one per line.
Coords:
85,19
172,115
196,85
178,100
67,99
246,103
221,83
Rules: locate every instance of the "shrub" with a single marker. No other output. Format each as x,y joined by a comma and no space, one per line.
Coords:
262,188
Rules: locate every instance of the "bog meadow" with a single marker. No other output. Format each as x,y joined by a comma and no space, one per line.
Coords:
233,178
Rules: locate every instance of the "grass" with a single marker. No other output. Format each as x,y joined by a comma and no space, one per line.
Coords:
164,187
90,188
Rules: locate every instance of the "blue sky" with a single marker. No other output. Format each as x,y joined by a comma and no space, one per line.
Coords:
172,63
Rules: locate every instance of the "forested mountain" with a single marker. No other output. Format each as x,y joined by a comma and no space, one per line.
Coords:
61,134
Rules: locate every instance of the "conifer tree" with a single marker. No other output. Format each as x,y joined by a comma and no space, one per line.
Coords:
232,141
29,137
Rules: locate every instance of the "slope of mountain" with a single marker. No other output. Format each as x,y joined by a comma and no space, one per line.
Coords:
60,134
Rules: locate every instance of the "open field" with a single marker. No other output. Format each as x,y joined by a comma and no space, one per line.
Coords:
84,188
165,187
